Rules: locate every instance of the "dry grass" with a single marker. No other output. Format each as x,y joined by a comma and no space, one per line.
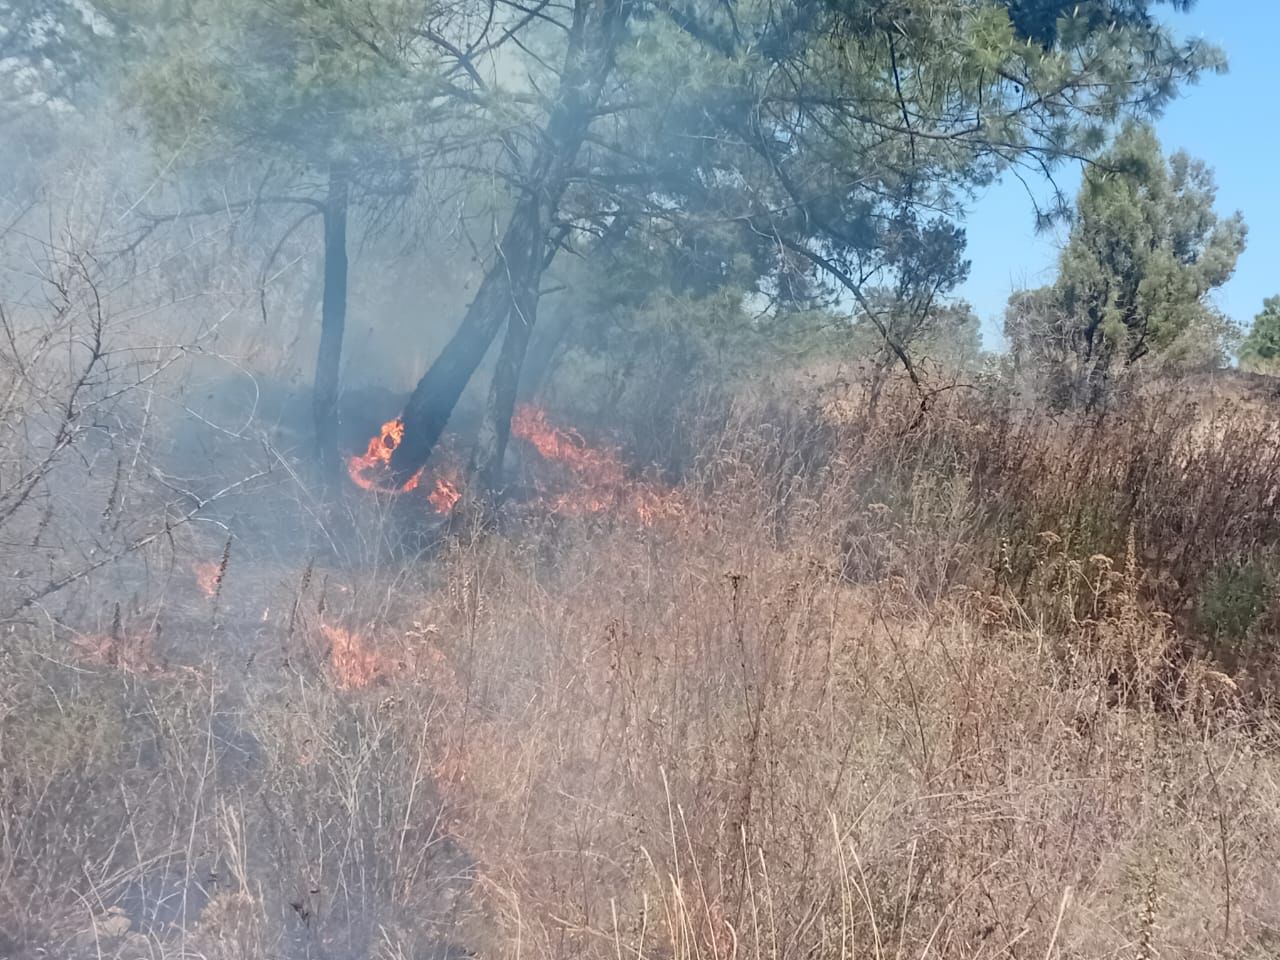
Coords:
982,684
945,691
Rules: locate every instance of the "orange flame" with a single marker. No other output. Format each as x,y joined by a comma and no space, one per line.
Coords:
369,469
445,495
208,577
354,665
600,475
131,653
598,478
600,468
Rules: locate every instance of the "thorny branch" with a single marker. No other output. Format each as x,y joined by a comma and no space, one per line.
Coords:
134,545
64,434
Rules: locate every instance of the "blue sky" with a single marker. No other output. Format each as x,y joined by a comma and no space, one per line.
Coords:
1231,121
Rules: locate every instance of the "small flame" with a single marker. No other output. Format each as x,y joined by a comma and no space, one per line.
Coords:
600,474
445,495
354,665
208,577
370,469
598,479
596,467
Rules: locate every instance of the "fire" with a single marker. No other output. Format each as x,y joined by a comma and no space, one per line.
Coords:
445,495
597,477
595,467
208,577
354,665
368,469
132,653
601,480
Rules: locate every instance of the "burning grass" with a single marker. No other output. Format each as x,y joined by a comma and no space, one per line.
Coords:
129,652
939,693
575,479
354,664
369,471
208,578
594,479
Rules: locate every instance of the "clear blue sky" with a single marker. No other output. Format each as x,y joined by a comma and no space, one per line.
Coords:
1231,121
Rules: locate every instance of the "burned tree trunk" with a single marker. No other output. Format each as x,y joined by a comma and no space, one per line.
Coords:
333,317
544,353
510,288
521,370
495,431
512,279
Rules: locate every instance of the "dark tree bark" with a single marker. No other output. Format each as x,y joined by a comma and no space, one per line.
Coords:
495,431
510,288
513,278
333,317
544,352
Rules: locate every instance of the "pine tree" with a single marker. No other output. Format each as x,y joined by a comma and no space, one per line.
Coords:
320,99
1145,253
1260,351
820,127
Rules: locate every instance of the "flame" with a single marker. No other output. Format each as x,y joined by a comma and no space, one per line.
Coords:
354,665
208,577
594,479
369,469
131,653
596,467
600,475
445,495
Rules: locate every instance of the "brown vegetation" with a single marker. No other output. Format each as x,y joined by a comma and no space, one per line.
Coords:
980,685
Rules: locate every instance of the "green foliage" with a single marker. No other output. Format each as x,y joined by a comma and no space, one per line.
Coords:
1038,338
953,339
939,334
310,83
1146,251
642,332
1260,351
797,157
830,130
1233,599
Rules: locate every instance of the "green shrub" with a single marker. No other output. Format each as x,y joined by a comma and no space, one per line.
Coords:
1234,596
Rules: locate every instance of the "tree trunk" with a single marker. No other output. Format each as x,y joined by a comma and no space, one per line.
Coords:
512,283
546,350
333,318
1097,378
513,278
495,431
544,353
